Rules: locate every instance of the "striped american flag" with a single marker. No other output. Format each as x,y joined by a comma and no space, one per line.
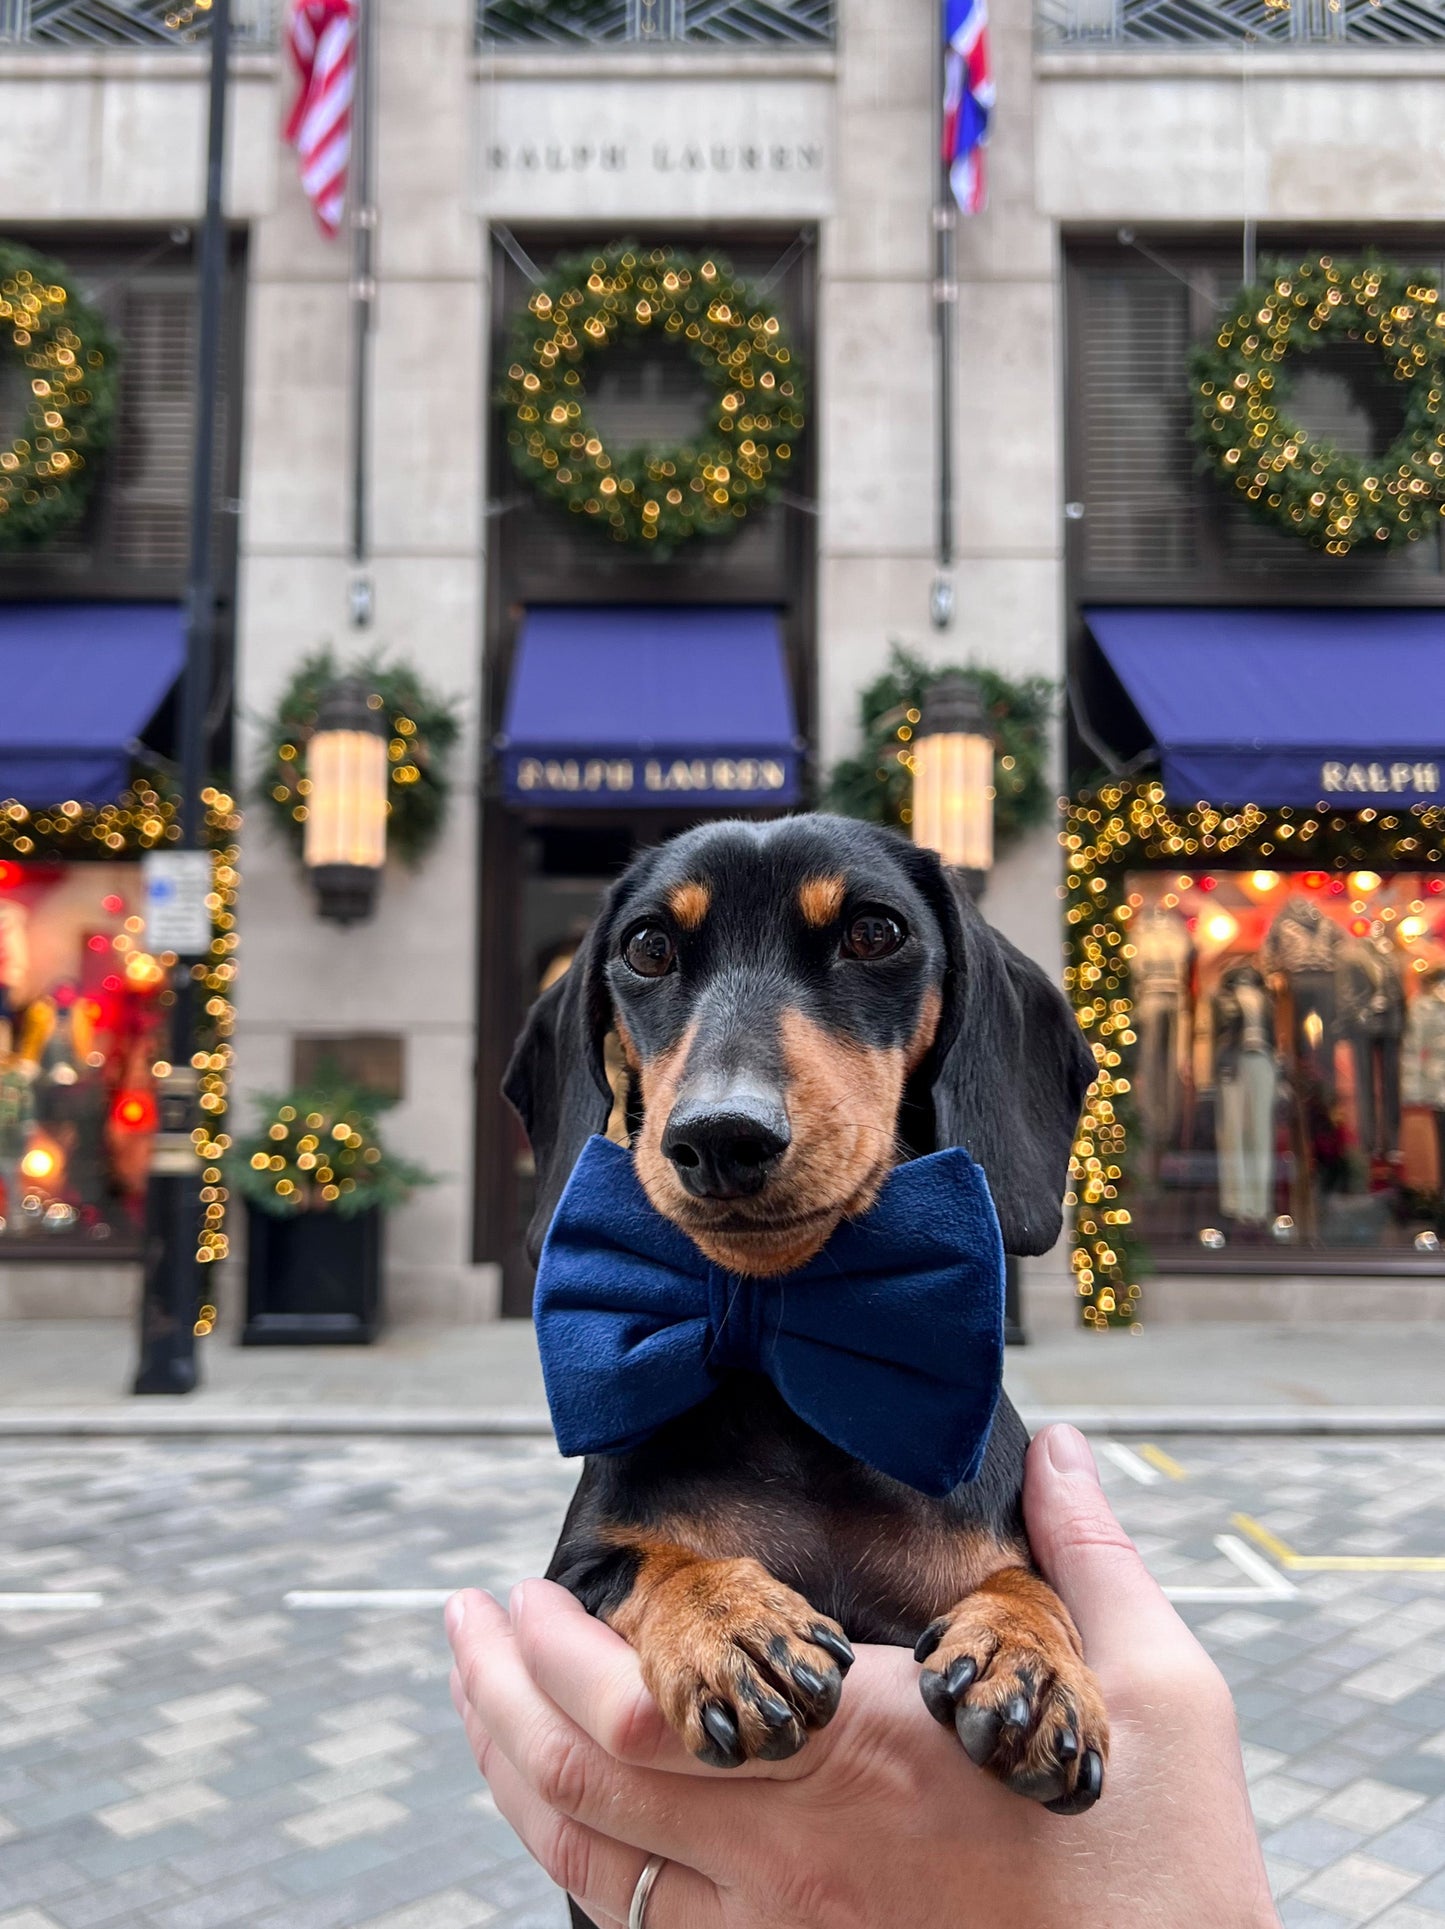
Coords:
322,37
967,100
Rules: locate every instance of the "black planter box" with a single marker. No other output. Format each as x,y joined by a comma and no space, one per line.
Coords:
314,1280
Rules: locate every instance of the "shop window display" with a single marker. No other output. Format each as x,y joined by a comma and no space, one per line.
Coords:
1289,1077
81,1026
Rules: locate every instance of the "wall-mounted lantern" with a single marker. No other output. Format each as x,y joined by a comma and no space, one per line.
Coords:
953,777
345,841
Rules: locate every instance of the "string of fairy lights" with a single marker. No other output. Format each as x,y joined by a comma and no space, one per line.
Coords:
1129,826
145,819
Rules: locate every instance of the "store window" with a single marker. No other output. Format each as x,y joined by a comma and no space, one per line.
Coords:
81,1025
1289,1079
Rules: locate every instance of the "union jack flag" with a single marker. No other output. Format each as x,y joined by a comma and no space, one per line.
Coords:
321,35
967,100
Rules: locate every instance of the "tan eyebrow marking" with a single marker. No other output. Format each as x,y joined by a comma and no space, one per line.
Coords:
821,899
689,903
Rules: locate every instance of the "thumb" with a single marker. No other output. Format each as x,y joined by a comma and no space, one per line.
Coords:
1086,1554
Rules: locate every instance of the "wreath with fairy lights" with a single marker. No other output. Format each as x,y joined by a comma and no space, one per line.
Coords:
653,495
424,729
69,363
1309,488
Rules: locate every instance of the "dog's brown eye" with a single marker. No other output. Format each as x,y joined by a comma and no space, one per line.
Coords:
872,934
649,951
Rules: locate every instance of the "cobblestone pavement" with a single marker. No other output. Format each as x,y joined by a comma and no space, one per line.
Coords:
183,1747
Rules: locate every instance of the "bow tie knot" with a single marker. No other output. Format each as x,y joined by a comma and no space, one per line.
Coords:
889,1343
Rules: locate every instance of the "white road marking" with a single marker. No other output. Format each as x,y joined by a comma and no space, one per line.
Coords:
50,1603
1268,1583
369,1597
1131,1463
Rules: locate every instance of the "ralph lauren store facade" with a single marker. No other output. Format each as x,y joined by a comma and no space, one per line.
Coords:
644,674
1255,840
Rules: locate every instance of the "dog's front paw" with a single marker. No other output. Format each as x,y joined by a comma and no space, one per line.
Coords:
1006,1669
742,1667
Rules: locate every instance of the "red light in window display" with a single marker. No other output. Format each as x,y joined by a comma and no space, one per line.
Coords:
10,875
1313,880
134,1111
1208,883
1435,885
1337,887
110,982
1360,927
112,904
97,943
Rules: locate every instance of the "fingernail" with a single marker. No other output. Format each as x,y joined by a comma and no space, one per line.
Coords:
1070,1453
455,1613
515,1601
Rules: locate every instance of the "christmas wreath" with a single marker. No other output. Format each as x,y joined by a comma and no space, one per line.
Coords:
877,783
1241,417
69,361
424,727
652,495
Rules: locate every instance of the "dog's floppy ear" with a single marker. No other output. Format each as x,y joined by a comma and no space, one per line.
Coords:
556,1082
1009,1066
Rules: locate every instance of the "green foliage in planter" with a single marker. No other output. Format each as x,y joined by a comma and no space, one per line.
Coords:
877,783
316,1149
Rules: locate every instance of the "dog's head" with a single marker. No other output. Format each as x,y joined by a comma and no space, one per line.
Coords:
801,1003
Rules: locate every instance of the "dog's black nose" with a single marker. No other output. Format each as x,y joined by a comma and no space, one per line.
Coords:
725,1149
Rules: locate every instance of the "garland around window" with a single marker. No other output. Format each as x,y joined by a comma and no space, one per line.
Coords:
69,364
1242,421
654,496
424,729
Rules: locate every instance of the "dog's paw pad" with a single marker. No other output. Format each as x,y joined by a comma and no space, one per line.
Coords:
1005,1672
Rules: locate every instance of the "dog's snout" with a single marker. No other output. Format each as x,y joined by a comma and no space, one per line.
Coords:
724,1149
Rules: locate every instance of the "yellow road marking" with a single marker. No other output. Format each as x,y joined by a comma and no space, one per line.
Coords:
1166,1463
1335,1563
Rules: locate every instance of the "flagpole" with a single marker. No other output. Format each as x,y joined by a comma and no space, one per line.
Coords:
363,302
945,303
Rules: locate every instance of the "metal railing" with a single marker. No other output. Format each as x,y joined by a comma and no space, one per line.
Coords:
714,23
91,25
1162,24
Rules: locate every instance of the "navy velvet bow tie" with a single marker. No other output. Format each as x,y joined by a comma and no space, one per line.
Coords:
889,1342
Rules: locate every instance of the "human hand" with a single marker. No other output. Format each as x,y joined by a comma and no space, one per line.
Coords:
881,1819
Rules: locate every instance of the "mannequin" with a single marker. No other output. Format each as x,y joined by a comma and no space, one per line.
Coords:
14,955
1163,954
1247,1084
1422,1062
1301,950
1370,1011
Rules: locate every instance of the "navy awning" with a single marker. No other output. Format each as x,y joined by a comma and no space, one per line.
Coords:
649,706
80,682
1286,706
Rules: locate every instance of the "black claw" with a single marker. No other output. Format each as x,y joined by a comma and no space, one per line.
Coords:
978,1731
929,1639
780,1743
1016,1712
936,1698
1066,1744
726,1751
831,1642
961,1676
1047,1788
811,1683
1087,1790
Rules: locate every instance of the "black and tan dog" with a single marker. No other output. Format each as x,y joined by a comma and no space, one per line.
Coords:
801,1004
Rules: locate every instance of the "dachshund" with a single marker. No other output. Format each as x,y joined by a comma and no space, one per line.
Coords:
802,1003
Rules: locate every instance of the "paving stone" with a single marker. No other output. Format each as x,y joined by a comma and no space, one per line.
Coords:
336,1791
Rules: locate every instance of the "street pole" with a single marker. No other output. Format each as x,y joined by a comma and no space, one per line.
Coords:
945,303
363,305
171,1292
